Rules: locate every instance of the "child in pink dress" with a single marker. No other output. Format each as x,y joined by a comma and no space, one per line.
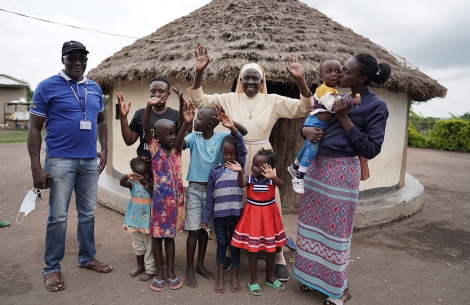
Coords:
167,215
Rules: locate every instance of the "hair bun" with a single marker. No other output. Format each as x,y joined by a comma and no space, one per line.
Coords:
383,73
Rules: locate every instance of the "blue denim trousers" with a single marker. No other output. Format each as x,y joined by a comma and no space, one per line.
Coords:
310,150
224,228
80,176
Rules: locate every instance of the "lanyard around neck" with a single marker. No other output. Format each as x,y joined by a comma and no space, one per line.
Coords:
78,100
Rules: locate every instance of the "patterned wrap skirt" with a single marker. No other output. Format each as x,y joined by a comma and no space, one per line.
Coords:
325,224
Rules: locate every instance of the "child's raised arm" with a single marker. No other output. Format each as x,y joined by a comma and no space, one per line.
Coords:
148,110
268,172
236,167
124,182
188,115
181,104
227,122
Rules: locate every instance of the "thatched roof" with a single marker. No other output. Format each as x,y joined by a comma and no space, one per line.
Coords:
241,31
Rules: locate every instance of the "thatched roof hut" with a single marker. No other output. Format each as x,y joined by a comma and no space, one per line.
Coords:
241,31
237,32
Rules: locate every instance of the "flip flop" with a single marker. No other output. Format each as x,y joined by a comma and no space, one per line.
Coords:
173,282
276,285
253,288
290,243
97,266
159,286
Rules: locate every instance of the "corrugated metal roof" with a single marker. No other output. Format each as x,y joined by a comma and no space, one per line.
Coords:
8,81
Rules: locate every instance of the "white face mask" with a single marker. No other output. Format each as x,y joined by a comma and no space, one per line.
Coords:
29,203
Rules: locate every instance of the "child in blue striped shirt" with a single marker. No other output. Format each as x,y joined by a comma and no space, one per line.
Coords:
224,200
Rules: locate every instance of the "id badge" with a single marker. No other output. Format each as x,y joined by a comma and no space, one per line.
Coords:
85,125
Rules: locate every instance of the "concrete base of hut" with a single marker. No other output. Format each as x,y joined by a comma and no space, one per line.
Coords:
371,211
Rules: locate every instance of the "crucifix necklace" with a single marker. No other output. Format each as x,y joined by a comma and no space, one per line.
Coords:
251,111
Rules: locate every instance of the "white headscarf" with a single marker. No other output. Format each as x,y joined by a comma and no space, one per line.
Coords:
262,89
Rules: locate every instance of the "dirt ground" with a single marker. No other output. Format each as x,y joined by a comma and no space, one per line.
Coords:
424,259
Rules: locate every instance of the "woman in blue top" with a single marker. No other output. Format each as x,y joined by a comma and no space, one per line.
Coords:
328,206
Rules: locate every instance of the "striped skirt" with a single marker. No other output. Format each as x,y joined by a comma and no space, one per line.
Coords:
325,224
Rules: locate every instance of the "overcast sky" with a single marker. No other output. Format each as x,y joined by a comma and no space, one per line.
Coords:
433,35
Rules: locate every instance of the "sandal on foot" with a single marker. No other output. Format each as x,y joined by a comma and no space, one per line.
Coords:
276,285
305,288
97,266
159,285
175,283
255,289
53,277
334,301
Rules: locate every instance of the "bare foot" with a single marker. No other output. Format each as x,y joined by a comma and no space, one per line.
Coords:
190,280
235,284
205,273
136,271
219,286
346,296
146,276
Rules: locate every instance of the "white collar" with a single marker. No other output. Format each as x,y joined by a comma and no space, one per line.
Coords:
67,78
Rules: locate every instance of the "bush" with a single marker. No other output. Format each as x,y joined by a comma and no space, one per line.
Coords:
453,135
415,139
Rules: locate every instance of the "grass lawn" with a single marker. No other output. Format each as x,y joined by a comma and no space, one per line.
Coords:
15,135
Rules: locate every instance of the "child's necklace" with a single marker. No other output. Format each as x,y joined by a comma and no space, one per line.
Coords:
246,104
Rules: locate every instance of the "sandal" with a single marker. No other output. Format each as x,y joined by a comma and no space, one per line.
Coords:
334,301
97,266
255,289
175,283
290,243
305,288
276,285
157,285
53,278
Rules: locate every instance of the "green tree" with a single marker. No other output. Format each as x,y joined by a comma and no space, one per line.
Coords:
29,92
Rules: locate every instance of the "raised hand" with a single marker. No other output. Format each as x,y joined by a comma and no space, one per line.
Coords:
223,118
123,107
294,65
179,93
134,177
267,171
188,111
202,60
154,101
235,166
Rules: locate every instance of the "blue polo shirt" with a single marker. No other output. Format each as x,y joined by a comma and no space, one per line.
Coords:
54,100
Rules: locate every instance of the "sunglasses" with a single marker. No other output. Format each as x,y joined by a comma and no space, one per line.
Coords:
73,59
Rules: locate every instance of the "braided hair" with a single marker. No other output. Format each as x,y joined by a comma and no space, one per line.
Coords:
375,72
272,157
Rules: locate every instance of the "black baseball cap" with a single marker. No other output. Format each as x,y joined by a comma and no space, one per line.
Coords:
73,45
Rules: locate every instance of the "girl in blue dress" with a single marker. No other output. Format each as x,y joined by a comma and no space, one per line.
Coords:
137,218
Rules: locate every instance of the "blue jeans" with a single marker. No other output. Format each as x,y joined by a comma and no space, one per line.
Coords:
224,228
309,150
81,176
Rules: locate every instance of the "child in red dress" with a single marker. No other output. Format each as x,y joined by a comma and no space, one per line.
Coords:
260,227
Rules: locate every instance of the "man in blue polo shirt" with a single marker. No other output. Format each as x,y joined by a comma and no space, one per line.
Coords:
72,108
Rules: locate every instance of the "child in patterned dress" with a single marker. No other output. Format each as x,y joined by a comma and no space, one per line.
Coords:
260,227
167,216
137,218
